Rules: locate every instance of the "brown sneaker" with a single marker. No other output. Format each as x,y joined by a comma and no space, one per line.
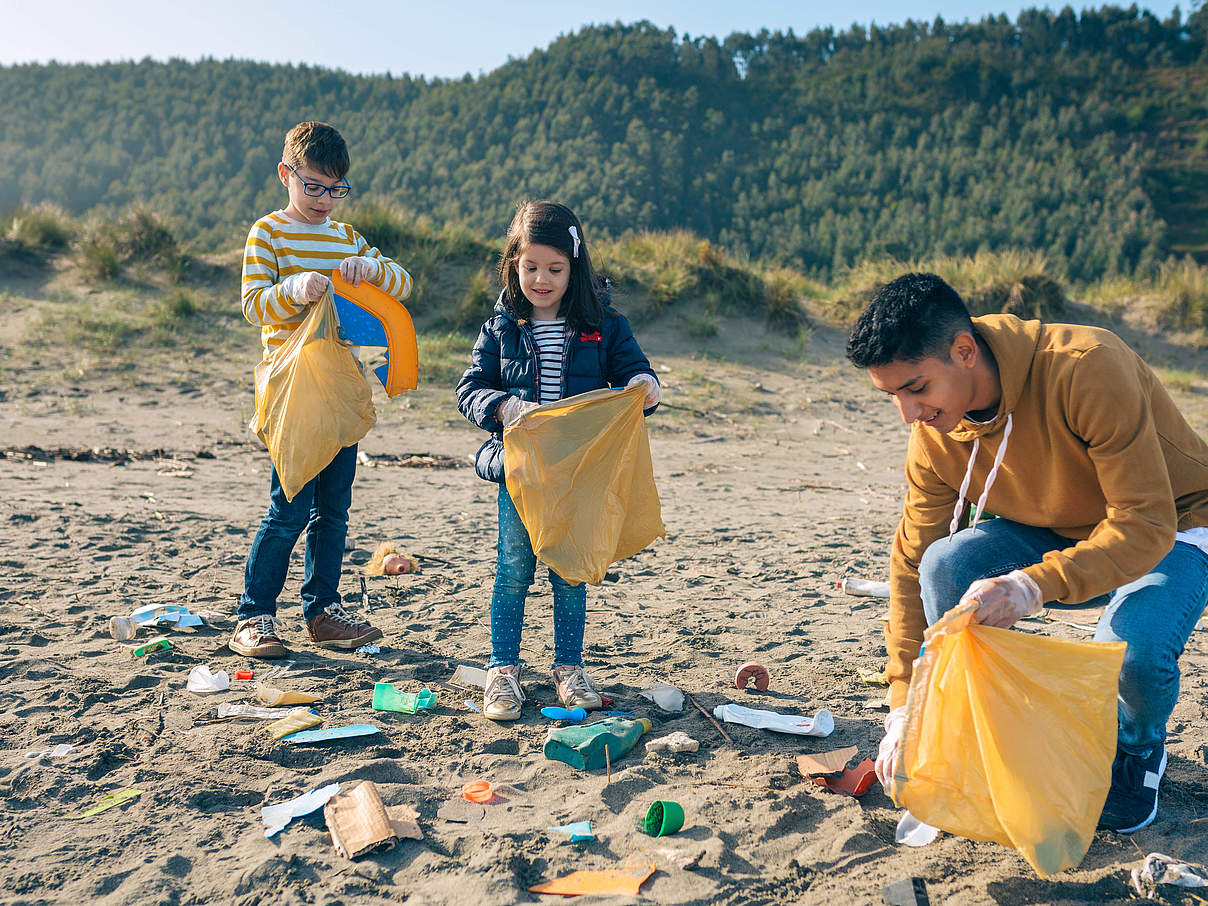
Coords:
337,628
257,637
575,688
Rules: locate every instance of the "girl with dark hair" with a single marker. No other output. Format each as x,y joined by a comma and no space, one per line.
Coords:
553,335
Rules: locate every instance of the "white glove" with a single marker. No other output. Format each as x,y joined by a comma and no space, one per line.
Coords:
510,410
654,395
358,268
887,752
1002,600
306,287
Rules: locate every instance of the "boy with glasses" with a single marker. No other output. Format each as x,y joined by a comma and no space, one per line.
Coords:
288,255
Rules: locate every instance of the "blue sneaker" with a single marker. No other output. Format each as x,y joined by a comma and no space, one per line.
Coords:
1132,801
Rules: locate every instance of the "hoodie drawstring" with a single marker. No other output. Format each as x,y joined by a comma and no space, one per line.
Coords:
993,474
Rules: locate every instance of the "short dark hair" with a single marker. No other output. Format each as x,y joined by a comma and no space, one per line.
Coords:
317,145
913,317
550,223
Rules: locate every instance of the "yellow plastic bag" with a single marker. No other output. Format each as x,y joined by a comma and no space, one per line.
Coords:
579,472
312,399
1010,737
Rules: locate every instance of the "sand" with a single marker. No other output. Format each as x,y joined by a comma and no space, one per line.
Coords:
769,501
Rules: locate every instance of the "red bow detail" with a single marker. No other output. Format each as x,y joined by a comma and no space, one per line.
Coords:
593,337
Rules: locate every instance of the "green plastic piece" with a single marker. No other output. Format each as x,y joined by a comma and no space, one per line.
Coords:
153,645
662,818
583,747
387,698
109,802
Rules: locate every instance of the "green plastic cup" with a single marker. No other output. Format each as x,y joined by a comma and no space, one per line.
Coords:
664,817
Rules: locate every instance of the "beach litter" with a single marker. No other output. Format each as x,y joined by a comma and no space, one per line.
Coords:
57,752
276,817
753,673
865,587
666,696
293,723
371,648
831,762
388,560
574,715
872,676
202,681
156,644
469,677
360,823
478,791
622,882
679,741
243,674
853,782
577,832
913,832
906,892
473,707
1162,869
229,710
387,697
274,697
330,733
176,615
595,745
821,724
662,818
108,802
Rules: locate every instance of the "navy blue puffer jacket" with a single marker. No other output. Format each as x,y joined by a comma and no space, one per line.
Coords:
504,362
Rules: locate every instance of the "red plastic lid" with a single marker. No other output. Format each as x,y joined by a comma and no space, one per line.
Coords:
478,791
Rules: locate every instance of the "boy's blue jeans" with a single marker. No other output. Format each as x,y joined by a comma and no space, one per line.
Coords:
321,508
1155,614
514,569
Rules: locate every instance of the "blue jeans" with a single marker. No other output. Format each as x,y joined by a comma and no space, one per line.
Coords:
321,508
1155,614
514,569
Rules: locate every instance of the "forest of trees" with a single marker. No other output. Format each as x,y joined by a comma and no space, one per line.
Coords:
1080,135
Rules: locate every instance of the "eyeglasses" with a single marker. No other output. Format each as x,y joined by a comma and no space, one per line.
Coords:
316,189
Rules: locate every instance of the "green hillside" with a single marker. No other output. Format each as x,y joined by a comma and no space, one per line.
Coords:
1081,137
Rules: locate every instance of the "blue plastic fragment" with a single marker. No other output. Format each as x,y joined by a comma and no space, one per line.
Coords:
327,733
574,715
578,831
617,713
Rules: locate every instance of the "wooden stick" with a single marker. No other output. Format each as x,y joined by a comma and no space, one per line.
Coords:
724,734
433,559
607,766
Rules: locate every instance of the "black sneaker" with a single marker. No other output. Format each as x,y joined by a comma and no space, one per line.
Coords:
1132,801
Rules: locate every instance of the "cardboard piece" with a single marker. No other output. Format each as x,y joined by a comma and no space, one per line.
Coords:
274,697
623,882
303,720
276,817
469,677
360,823
831,762
853,781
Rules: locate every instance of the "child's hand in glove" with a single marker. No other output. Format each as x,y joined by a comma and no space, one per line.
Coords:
511,409
358,268
654,394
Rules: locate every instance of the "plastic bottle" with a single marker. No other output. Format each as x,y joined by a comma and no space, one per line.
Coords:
583,747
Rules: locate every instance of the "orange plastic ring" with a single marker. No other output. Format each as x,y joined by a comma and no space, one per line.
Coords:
478,791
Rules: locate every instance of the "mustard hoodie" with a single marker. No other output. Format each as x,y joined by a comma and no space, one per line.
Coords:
1097,452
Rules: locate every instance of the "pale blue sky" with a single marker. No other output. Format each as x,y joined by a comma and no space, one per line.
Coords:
430,38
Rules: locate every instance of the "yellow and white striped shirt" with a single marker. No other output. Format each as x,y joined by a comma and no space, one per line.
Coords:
279,247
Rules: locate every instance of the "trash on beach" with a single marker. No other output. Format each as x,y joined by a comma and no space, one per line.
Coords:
679,741
469,677
201,680
595,745
913,832
57,752
906,892
274,697
276,817
108,802
243,674
459,811
985,706
666,696
388,560
330,733
228,709
866,587
853,781
156,644
1162,869
371,648
574,715
831,762
166,615
577,832
478,791
623,882
872,676
662,818
821,724
386,697
294,723
753,673
360,823
122,628
473,707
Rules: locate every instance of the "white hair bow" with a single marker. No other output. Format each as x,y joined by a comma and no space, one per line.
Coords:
574,234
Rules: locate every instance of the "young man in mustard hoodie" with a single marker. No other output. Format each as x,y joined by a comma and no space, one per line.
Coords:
1099,485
